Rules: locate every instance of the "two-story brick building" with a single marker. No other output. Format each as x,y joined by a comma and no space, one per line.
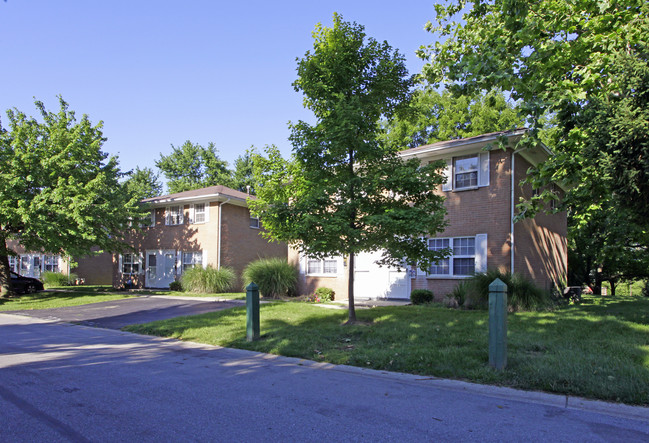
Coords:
481,192
209,226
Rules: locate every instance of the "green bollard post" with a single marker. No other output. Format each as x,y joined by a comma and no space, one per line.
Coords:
252,312
498,324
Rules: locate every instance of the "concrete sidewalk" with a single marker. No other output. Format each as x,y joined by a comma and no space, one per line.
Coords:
60,381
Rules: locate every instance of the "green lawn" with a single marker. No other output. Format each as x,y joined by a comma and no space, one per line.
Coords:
62,297
599,349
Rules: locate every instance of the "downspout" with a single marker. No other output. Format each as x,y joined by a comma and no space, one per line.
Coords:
511,232
218,235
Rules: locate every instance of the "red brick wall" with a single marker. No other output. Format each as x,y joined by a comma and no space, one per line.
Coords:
240,244
540,247
485,210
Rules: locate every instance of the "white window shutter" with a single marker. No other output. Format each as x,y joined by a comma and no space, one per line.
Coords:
192,214
152,218
120,263
179,262
204,254
340,265
481,253
182,214
141,260
207,212
448,173
167,216
483,175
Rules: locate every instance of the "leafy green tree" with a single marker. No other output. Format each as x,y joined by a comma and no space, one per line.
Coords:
607,247
243,175
193,166
581,65
144,183
344,192
437,117
59,193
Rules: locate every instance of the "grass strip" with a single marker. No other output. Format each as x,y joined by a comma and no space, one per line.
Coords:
598,349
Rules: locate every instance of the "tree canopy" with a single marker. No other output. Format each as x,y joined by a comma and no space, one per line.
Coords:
59,193
193,166
344,192
437,117
143,183
581,65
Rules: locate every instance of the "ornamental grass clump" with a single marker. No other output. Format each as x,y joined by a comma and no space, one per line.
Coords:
522,293
274,277
54,279
208,280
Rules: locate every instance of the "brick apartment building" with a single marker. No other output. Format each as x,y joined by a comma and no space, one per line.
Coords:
209,226
93,269
482,189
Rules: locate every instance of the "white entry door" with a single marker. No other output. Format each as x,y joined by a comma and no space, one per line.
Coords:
160,268
372,281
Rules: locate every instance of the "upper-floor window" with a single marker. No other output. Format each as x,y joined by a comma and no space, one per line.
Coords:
174,215
467,172
199,213
254,222
152,218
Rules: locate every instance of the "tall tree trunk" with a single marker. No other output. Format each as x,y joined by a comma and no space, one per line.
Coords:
6,289
350,289
612,282
598,283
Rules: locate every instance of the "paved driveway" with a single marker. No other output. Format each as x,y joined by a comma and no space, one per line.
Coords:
119,313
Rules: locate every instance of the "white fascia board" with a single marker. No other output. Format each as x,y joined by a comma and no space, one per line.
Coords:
461,146
199,199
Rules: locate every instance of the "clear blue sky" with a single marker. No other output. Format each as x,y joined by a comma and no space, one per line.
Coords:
161,72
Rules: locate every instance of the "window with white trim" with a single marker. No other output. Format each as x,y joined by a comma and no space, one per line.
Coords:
254,222
465,172
51,263
199,213
174,215
316,266
442,266
130,264
14,263
192,259
461,263
152,218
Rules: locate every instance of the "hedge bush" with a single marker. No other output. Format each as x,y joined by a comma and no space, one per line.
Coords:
175,286
421,296
208,280
275,277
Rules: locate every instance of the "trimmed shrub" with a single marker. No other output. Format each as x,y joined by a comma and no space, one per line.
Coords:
175,286
207,280
53,279
275,277
522,293
421,296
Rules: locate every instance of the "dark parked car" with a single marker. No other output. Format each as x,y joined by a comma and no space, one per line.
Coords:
25,285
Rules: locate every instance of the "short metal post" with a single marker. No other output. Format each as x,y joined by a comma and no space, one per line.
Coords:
252,312
498,324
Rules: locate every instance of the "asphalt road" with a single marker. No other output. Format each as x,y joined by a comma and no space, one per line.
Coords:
63,382
119,313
